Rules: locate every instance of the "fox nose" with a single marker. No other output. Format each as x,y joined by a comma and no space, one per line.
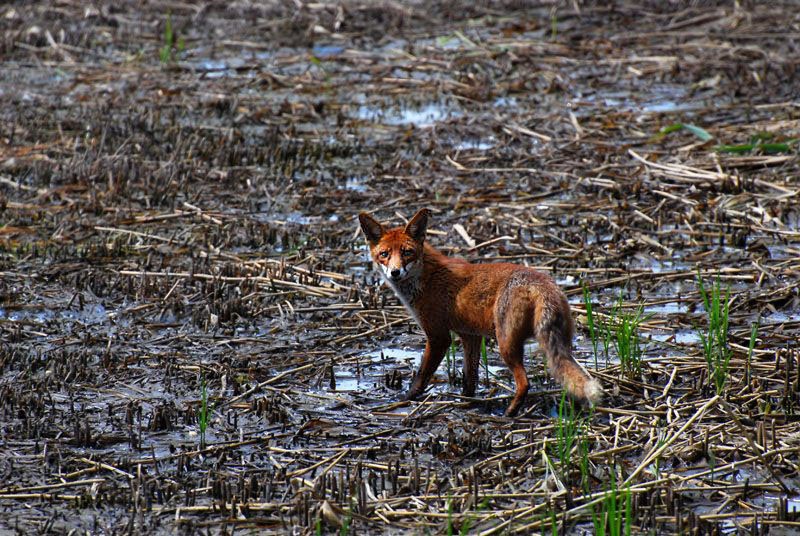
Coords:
395,273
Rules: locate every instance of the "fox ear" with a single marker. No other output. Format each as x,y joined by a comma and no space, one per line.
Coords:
372,229
418,225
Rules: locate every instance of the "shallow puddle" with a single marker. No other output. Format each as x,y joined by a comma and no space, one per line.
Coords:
475,145
650,99
679,337
421,117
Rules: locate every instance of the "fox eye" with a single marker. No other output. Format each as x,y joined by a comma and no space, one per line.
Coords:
407,252
383,254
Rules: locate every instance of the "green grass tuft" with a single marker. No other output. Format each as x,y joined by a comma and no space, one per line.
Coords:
622,329
627,342
716,350
615,515
172,47
570,425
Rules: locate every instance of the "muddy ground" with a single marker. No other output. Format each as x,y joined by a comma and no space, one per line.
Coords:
178,191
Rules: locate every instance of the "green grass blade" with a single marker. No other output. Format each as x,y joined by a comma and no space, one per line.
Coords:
628,510
450,517
485,359
767,148
699,132
169,38
736,149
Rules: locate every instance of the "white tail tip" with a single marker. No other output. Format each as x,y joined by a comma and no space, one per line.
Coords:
593,391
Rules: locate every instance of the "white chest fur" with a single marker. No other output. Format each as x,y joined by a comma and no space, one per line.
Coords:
407,291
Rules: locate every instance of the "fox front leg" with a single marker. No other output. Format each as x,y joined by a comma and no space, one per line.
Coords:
435,349
472,359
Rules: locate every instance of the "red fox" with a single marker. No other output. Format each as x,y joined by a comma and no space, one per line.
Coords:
508,301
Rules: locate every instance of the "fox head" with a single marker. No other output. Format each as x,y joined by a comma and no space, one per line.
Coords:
398,251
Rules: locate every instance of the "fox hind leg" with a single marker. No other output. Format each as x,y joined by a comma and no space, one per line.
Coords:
511,350
513,324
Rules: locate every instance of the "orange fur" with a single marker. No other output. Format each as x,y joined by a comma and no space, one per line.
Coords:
507,301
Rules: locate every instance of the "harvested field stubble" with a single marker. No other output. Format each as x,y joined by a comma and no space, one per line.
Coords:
178,245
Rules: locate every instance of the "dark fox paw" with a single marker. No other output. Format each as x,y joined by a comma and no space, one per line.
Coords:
411,395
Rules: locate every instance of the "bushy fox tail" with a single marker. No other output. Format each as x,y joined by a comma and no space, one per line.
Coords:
554,334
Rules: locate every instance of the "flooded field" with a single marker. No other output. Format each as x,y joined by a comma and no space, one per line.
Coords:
192,339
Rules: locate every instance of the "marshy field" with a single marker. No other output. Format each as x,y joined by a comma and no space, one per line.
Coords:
193,341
